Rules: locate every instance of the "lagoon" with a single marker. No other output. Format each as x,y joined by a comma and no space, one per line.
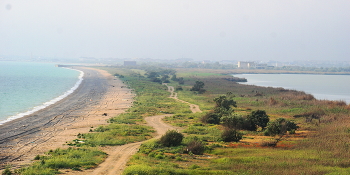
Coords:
323,87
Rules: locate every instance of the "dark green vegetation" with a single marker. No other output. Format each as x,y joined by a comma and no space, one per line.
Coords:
306,136
171,138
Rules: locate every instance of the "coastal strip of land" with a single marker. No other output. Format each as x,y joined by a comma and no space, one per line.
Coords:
99,97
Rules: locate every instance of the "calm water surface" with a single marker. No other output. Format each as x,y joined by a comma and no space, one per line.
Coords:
330,87
27,87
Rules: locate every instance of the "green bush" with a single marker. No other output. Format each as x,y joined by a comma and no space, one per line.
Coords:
7,171
280,126
171,138
196,147
211,117
230,135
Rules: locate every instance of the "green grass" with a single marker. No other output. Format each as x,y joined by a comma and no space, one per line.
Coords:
311,156
114,134
71,158
272,161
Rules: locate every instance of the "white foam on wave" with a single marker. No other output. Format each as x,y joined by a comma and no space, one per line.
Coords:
51,102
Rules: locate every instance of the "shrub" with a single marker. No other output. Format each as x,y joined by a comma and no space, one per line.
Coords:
230,135
238,122
37,157
280,127
202,91
7,171
233,121
178,88
212,118
196,147
171,138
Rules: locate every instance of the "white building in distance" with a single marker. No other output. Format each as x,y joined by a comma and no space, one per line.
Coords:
243,64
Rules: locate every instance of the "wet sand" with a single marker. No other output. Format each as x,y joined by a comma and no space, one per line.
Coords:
22,139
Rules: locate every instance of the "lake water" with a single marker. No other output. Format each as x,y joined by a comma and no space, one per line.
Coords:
27,87
329,87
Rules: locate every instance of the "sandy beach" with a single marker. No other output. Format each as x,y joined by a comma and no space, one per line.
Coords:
22,139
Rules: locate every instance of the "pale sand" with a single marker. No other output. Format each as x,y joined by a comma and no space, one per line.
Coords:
21,140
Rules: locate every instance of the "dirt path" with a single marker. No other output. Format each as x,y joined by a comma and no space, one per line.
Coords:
194,108
120,155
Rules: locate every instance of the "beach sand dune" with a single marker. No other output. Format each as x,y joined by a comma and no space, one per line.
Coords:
22,139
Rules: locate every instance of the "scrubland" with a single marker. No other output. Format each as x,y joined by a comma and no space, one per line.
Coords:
319,146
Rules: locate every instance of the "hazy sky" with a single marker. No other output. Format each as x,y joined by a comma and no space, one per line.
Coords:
171,29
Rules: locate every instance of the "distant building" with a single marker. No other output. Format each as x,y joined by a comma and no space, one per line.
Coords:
260,66
243,64
129,63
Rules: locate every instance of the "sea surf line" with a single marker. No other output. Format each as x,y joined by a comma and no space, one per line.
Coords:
48,103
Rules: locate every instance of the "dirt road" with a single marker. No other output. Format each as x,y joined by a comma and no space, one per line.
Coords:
120,155
194,108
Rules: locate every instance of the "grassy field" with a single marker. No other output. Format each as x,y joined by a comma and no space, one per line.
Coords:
320,145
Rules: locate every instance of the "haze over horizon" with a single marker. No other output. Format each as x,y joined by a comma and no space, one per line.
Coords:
201,30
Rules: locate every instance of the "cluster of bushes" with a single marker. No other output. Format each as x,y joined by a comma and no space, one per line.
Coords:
174,140
160,76
223,114
118,75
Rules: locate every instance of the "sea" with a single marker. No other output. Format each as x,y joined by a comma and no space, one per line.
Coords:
322,87
26,87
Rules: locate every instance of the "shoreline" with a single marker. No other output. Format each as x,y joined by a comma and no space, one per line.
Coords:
50,102
328,93
50,128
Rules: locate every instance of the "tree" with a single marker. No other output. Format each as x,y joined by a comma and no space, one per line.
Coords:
198,86
174,78
280,126
259,118
224,104
171,138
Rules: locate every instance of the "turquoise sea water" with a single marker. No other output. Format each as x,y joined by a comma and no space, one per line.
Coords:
26,87
329,87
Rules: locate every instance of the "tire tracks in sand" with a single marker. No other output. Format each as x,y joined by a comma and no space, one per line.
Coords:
115,163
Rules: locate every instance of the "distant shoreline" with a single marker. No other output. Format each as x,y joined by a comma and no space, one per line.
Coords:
321,86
